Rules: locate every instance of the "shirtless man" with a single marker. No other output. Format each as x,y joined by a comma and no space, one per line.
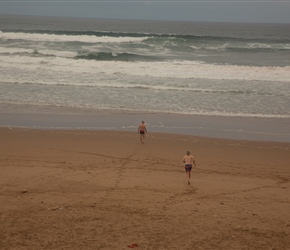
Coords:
189,161
142,130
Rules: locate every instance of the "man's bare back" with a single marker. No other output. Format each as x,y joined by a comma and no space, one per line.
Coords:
188,159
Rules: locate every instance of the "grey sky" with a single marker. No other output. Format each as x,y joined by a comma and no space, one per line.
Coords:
264,11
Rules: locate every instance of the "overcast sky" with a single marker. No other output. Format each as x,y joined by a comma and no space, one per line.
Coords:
261,11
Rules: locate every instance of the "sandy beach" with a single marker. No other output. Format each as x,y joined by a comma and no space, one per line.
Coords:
73,90
90,189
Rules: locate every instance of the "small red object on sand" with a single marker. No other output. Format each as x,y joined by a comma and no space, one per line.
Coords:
133,245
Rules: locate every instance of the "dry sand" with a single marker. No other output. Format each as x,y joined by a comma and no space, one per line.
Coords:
105,190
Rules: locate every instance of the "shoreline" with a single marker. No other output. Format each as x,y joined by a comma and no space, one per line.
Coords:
240,128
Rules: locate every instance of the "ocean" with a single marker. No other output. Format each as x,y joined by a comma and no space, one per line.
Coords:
208,69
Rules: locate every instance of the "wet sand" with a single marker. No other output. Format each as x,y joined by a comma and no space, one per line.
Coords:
241,128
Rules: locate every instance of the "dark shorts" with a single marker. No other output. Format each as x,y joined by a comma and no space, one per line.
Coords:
142,132
188,167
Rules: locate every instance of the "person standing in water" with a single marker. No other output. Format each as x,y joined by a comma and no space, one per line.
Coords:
142,130
189,161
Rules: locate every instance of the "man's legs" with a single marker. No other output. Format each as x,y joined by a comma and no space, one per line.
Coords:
142,136
188,176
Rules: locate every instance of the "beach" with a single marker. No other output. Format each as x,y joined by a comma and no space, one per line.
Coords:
74,174
103,189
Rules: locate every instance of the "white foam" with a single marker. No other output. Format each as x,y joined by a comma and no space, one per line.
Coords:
68,38
59,53
4,50
177,69
267,46
246,46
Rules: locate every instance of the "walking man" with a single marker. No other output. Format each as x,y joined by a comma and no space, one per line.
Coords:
142,130
189,161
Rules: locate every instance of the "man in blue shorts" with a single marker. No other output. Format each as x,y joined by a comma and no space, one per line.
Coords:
189,161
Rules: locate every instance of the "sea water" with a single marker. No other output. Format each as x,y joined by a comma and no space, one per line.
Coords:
211,69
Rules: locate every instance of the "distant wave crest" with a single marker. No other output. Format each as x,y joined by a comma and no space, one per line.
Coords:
91,36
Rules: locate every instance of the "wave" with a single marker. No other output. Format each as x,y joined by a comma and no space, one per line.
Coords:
169,70
48,37
109,56
138,35
260,48
37,52
98,56
167,40
168,87
152,110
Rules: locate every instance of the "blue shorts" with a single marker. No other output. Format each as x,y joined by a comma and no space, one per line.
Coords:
188,167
